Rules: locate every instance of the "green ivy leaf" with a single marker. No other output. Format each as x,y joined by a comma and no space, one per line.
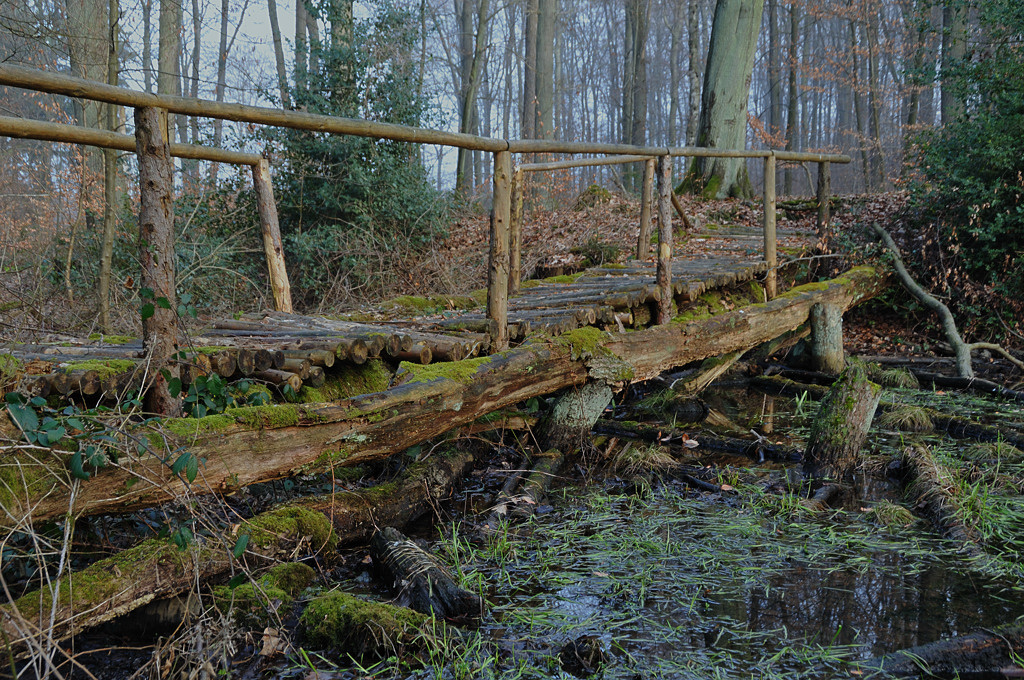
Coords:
75,465
192,469
147,311
243,540
24,416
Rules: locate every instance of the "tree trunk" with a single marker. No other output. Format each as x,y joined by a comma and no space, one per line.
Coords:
528,124
147,44
156,254
109,174
471,75
88,33
574,414
634,99
723,112
774,70
841,426
954,49
282,73
793,108
693,92
547,10
168,79
342,29
827,354
983,653
874,101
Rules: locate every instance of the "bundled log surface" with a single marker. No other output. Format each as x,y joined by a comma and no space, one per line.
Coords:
421,582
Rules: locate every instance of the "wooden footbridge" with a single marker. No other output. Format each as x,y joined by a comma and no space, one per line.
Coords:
513,341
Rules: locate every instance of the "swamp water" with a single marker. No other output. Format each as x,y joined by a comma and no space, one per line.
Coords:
675,583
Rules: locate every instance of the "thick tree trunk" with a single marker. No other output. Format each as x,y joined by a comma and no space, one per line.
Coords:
841,426
723,112
156,254
547,10
954,49
793,107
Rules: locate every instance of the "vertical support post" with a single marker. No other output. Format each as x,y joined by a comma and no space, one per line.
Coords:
824,207
515,234
156,255
497,270
664,277
770,257
643,242
827,355
271,229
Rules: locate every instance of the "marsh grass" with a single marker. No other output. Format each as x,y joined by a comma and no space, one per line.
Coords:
907,419
634,458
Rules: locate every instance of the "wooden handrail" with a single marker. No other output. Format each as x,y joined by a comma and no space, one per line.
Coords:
24,128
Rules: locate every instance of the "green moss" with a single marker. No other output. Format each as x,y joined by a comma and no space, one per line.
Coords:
347,380
105,368
193,427
583,342
269,416
410,303
104,579
329,458
613,265
256,603
288,525
460,371
211,349
112,339
591,196
21,478
360,628
563,278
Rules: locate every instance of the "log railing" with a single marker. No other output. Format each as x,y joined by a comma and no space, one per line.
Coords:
504,248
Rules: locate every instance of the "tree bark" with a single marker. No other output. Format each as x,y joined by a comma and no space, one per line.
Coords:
827,355
723,113
547,10
528,124
841,426
156,254
793,108
109,174
282,72
954,49
574,414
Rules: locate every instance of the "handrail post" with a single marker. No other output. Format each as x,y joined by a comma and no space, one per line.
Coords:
643,242
498,266
515,231
271,229
664,276
156,256
824,196
770,257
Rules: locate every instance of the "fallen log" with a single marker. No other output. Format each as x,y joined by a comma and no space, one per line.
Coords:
157,568
841,427
759,450
535,489
253,444
420,581
983,653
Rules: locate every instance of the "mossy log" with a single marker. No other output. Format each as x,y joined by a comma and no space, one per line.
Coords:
841,427
984,653
927,482
369,630
756,449
157,568
254,444
546,467
419,581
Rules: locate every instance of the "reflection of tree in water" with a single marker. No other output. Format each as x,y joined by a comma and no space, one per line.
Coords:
882,608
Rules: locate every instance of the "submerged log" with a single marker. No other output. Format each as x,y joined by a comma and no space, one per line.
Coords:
983,653
841,426
255,444
420,581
